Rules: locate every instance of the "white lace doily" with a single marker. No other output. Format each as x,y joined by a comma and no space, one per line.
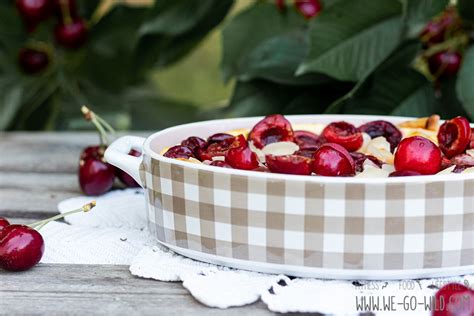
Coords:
115,233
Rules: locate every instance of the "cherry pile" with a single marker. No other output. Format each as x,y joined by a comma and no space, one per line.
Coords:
307,8
22,246
96,176
454,299
70,31
334,152
444,40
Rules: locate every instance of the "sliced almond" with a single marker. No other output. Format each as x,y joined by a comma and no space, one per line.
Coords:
366,137
218,158
316,128
447,170
191,159
410,132
432,124
388,167
379,147
372,172
280,148
258,152
164,150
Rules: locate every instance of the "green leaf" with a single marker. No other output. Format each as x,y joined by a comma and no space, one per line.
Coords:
276,59
170,17
352,37
253,27
419,12
159,50
466,9
10,102
465,82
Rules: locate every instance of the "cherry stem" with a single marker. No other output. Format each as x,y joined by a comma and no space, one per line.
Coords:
64,5
85,208
99,123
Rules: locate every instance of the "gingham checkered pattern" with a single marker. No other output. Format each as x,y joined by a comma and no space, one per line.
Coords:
305,223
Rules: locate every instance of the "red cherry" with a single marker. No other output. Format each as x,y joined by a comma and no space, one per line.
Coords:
34,11
306,139
404,173
220,163
273,128
215,149
95,176
21,247
454,136
240,156
434,31
179,151
453,299
333,160
289,164
72,35
219,137
383,128
445,64
33,61
308,8
418,154
194,143
471,143
124,177
344,134
360,158
3,223
93,152
307,152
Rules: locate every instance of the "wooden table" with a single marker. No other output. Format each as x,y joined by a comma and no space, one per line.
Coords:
37,170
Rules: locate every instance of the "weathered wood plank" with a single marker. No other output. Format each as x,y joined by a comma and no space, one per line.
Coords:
45,152
98,289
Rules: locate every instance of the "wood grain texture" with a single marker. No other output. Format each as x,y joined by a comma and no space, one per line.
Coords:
37,170
57,289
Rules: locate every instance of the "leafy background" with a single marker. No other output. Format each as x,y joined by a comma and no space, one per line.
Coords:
154,65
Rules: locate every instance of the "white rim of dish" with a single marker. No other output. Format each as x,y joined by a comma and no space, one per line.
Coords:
280,176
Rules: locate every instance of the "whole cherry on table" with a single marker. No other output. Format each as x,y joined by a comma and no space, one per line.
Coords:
22,246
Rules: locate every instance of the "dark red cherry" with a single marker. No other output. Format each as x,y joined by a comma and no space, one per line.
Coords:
220,163
333,160
72,35
308,8
34,11
179,151
281,5
453,299
240,156
194,143
271,129
21,247
95,176
3,223
307,152
435,30
289,164
306,139
471,143
360,158
418,154
454,136
445,64
219,137
124,177
404,173
94,152
33,61
344,134
215,149
383,128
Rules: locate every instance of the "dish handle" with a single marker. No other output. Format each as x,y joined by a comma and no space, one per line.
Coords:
117,155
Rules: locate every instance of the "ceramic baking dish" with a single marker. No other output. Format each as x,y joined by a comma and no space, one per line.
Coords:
310,226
